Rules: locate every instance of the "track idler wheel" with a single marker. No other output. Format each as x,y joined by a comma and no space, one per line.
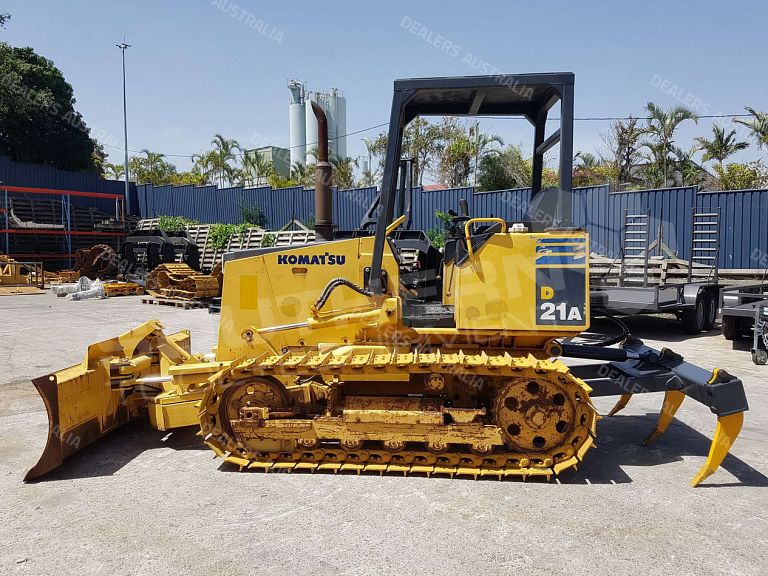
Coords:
240,400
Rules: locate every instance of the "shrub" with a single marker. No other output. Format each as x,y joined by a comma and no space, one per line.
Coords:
252,214
175,223
220,234
268,240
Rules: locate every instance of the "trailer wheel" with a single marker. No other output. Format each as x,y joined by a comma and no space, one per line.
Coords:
760,357
710,310
693,318
728,327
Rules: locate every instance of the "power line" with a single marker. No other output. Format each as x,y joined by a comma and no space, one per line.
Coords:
580,119
609,118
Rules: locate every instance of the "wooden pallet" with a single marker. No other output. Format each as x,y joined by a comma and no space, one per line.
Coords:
215,306
185,304
20,290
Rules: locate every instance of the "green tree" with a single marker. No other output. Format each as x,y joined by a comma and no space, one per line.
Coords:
687,172
113,171
152,168
39,120
376,148
257,168
203,164
624,144
459,150
661,127
721,146
265,168
302,174
222,159
483,145
507,169
589,170
427,143
343,171
3,19
423,141
748,176
277,181
757,125
191,177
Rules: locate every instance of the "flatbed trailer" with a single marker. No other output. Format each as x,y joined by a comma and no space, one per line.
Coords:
744,310
641,289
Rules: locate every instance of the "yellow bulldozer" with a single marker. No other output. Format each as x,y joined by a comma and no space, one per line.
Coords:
372,352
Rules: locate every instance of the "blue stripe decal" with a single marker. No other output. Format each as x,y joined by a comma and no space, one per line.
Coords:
561,249
560,259
569,240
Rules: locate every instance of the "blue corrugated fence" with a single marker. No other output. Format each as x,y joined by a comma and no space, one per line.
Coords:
743,213
744,242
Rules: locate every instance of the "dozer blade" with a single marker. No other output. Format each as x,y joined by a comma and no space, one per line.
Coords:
87,401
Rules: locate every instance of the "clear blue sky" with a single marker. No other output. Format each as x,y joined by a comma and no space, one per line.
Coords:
196,69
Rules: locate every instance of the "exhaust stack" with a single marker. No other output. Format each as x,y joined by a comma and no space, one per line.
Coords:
323,175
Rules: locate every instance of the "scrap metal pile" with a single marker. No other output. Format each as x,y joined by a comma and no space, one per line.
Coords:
180,281
99,261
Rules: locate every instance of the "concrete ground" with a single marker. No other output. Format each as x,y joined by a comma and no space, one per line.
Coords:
146,502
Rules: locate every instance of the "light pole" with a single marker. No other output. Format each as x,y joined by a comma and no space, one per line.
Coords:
123,47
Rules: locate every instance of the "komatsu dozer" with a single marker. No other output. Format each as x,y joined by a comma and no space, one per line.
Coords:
373,352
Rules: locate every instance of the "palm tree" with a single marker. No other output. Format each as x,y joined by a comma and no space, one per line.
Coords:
113,171
721,146
376,148
587,160
483,144
152,160
661,127
689,171
224,151
758,126
343,171
585,169
251,172
203,163
302,173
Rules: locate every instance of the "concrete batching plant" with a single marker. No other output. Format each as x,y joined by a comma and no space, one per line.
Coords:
303,124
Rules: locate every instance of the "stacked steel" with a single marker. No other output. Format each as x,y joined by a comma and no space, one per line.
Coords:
180,281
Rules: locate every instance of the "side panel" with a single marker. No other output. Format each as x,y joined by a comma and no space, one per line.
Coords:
526,282
279,289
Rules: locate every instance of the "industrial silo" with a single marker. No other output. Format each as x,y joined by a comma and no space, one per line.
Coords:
322,100
297,138
335,107
338,108
311,128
